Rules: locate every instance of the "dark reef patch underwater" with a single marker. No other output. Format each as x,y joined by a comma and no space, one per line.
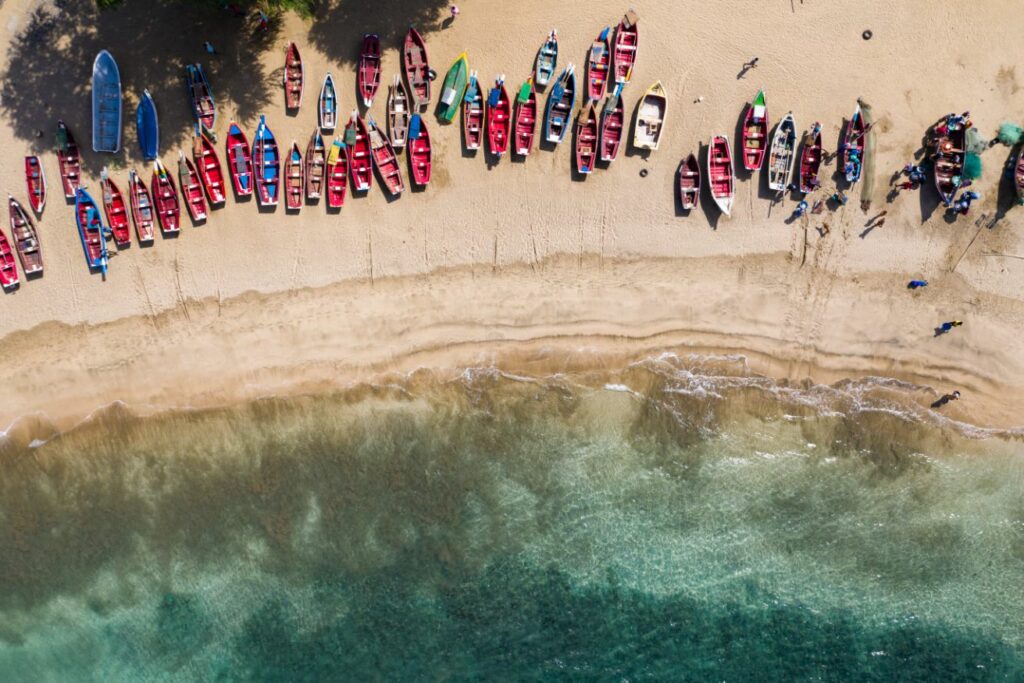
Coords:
676,519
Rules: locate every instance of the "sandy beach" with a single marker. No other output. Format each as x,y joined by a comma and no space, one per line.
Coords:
516,263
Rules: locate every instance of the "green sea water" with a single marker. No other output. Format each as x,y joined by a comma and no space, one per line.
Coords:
673,519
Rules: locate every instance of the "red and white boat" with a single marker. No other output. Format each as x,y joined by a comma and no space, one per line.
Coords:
165,200
239,160
191,189
69,160
294,179
586,139
337,175
26,240
625,46
417,69
473,114
208,166
755,133
360,155
612,126
689,182
8,269
385,160
499,118
316,162
292,77
35,181
420,155
116,210
368,75
720,173
598,65
810,160
142,208
525,118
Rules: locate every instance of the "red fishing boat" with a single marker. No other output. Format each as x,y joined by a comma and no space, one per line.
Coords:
385,160
210,172
755,133
8,270
417,69
598,65
810,160
116,210
26,240
69,160
720,174
499,118
689,182
294,179
525,118
368,76
337,175
165,200
612,126
142,208
35,180
586,139
624,51
360,155
292,77
419,151
473,114
316,161
239,160
191,189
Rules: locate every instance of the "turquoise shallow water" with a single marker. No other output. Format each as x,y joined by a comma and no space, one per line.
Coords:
673,519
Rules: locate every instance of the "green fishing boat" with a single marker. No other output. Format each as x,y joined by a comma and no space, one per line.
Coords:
453,90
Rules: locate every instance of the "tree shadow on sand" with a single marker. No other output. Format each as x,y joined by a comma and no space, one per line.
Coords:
339,25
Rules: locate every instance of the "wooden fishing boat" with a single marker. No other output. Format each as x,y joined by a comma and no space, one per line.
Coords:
360,156
106,104
1018,176
949,157
337,175
147,126
116,210
853,147
613,120
473,114
8,270
755,133
547,60
782,154
499,118
598,66
586,139
417,69
200,97
91,231
208,166
625,47
720,173
420,154
316,163
26,240
191,189
650,118
293,77
328,106
69,161
385,160
294,179
454,89
525,119
810,160
368,76
239,160
398,114
266,164
35,183
142,208
689,182
165,200
561,101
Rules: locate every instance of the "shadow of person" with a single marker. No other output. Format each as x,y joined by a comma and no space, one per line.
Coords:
447,23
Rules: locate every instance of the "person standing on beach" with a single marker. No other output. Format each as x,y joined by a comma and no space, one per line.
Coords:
914,284
947,326
946,398
455,12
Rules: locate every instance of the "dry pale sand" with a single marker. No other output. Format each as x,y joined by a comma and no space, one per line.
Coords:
516,262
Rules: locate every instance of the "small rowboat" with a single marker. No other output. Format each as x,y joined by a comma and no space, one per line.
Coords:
165,200
473,114
26,240
360,156
782,156
91,231
755,133
8,269
208,166
239,160
650,118
200,97
586,139
116,210
398,114
720,174
417,69
191,189
1018,176
689,183
35,182
625,46
853,148
558,110
950,153
142,208
328,108
266,164
810,160
420,155
294,179
598,65
454,89
316,162
337,175
385,160
106,104
525,120
499,118
547,60
69,160
148,127
368,76
612,124
292,77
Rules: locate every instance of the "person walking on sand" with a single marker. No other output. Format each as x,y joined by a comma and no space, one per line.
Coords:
752,64
801,209
946,398
455,12
914,284
947,326
208,46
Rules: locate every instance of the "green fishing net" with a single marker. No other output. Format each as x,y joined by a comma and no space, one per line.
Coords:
1010,133
972,166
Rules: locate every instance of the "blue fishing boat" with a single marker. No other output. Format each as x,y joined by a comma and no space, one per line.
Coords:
148,127
558,111
91,230
106,104
266,161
